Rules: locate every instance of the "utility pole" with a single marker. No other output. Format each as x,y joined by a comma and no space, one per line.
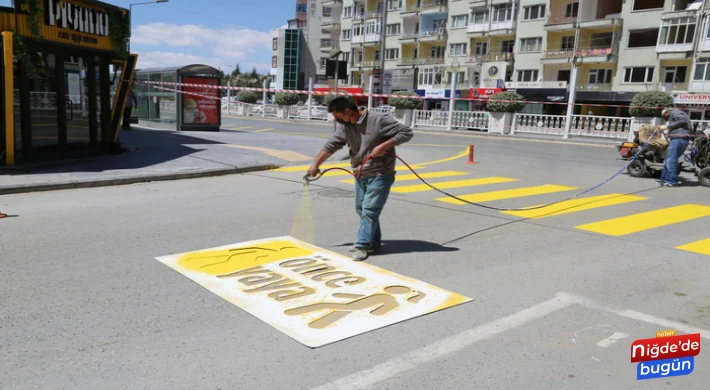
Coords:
573,76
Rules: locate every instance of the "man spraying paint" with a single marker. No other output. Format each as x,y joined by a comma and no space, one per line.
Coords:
372,134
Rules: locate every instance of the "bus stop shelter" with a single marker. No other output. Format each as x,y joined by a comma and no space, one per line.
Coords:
193,107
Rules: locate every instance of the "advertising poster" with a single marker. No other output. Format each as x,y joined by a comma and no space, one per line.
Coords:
492,73
197,109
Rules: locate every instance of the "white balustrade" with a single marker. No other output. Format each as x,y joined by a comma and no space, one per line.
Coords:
431,118
470,119
538,124
600,126
384,110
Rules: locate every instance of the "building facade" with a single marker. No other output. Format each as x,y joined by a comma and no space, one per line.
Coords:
619,47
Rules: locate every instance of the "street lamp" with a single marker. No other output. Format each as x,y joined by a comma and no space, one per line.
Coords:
130,8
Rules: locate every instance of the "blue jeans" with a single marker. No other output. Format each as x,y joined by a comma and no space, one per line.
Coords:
670,166
370,197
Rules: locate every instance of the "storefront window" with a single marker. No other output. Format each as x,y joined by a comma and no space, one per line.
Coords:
99,127
76,89
16,106
169,105
43,104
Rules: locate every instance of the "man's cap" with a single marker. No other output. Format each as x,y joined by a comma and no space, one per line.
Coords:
666,111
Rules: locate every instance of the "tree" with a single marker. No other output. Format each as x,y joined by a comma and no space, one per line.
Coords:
254,74
236,72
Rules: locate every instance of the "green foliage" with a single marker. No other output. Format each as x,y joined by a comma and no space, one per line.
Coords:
35,17
405,100
119,32
329,98
645,104
506,102
23,57
247,97
286,98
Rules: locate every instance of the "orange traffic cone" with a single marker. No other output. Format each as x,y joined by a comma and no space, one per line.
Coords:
470,155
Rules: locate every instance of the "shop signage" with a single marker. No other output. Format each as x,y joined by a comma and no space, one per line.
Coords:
315,296
402,79
77,18
537,85
691,98
387,82
435,94
483,93
493,72
197,109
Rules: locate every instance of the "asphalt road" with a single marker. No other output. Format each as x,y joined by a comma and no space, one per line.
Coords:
557,300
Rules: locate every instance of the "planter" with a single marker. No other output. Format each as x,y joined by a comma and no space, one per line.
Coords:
500,122
405,116
283,112
637,122
243,109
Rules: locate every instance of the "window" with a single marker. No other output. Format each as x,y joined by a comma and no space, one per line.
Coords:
438,23
602,40
327,11
437,51
572,10
357,30
508,46
459,21
377,55
393,29
275,44
302,8
564,75
348,12
567,43
643,38
372,27
359,56
675,74
274,62
346,57
323,61
640,5
529,75
702,70
481,48
460,77
429,77
394,4
638,75
391,54
600,76
677,31
534,12
479,16
347,35
531,45
457,49
502,13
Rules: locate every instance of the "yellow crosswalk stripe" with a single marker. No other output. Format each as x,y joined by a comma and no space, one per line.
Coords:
575,205
430,175
649,220
702,247
233,127
507,194
452,184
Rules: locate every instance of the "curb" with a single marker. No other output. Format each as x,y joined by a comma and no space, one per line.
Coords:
40,187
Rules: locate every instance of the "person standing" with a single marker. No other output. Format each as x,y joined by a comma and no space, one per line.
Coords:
131,102
367,133
679,130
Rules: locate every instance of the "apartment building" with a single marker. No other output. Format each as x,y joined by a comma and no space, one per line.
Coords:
620,48
299,51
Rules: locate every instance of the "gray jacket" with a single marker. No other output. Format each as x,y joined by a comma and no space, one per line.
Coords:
679,124
371,130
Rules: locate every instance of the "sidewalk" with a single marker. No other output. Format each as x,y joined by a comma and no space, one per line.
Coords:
155,155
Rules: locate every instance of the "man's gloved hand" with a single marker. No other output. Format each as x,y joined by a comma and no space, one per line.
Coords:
313,171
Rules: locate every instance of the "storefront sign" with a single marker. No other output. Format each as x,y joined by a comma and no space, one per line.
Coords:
435,93
73,17
537,84
483,93
200,110
402,79
493,73
387,82
315,296
691,98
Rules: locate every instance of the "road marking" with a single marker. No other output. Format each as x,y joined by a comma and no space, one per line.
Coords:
303,168
259,131
611,340
575,205
288,155
366,379
443,160
297,288
352,181
430,175
649,220
634,315
231,127
507,194
452,184
702,247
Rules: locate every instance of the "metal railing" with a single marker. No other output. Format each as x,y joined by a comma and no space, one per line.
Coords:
409,34
330,20
600,126
552,20
429,4
431,118
595,87
470,119
538,124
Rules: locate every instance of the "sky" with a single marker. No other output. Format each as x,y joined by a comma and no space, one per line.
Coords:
219,33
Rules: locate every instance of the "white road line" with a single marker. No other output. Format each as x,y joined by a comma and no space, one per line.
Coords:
666,324
609,341
367,378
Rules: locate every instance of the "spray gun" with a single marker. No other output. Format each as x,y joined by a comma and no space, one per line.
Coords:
307,178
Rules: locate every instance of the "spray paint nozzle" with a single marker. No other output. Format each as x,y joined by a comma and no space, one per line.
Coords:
307,178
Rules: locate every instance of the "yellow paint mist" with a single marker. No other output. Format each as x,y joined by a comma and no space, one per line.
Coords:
302,228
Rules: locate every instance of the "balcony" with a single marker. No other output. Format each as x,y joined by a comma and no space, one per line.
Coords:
593,23
326,44
564,55
373,14
358,39
330,21
502,25
409,35
358,17
434,6
560,23
478,28
491,57
438,34
357,64
371,64
373,38
421,61
673,87
410,8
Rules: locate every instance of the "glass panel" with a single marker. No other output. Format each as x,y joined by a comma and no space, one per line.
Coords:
43,104
99,127
168,107
16,106
76,87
